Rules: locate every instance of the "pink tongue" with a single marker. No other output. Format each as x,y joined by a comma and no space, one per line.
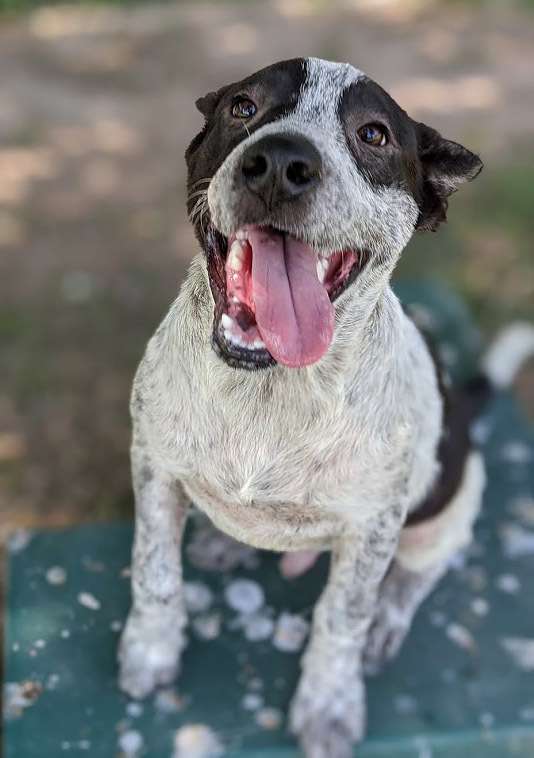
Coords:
293,311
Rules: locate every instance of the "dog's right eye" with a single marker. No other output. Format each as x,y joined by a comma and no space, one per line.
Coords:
243,108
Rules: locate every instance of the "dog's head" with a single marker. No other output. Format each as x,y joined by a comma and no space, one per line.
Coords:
306,179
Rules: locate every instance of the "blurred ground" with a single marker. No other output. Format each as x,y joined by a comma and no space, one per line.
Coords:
96,110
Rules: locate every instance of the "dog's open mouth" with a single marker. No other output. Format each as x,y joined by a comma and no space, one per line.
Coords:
273,296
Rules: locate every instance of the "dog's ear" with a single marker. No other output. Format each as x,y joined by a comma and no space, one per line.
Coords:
444,166
207,104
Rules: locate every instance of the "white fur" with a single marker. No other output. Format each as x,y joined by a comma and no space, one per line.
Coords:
436,540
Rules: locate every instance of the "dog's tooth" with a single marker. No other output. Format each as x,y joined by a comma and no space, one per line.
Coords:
235,299
228,335
241,235
236,256
226,321
320,272
259,344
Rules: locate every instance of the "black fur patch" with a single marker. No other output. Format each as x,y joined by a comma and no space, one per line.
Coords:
416,157
460,407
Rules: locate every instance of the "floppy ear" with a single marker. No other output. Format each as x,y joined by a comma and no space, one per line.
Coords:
207,104
444,166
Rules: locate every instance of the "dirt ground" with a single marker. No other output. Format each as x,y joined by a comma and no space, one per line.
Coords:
96,110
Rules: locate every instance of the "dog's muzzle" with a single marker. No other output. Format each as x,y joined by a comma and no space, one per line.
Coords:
280,168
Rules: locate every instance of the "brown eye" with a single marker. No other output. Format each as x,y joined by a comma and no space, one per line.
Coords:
373,134
243,108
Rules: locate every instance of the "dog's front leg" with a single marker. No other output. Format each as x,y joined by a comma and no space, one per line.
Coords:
152,640
328,710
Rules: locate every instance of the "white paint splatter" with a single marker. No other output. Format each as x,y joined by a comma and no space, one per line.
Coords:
116,626
252,701
486,720
244,596
196,741
437,619
211,550
134,709
258,627
39,644
207,627
56,575
131,742
269,718
65,634
516,541
290,632
461,637
198,597
168,701
516,452
527,713
405,704
522,651
508,583
20,695
479,606
18,540
88,601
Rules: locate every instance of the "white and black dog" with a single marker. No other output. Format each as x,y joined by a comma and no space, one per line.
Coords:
288,394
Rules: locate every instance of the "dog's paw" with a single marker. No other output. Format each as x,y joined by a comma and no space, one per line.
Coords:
148,657
328,718
387,632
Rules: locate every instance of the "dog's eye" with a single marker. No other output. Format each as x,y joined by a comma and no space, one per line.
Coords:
243,108
373,134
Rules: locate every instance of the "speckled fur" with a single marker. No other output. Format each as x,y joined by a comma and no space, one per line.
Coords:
331,456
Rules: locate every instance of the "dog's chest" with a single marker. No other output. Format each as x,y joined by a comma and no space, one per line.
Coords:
275,475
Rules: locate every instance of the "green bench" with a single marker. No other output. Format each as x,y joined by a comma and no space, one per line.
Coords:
462,687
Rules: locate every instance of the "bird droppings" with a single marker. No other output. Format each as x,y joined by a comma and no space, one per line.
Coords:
479,606
521,650
252,701
18,540
269,718
508,583
207,627
196,741
56,575
88,601
134,709
20,695
244,596
168,701
516,452
131,743
258,627
461,637
198,597
516,541
290,633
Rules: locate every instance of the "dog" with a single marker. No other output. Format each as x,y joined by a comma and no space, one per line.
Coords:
289,395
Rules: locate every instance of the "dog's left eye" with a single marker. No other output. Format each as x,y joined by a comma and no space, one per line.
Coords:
243,108
373,134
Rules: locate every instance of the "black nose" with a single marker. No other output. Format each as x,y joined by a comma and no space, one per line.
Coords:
281,167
